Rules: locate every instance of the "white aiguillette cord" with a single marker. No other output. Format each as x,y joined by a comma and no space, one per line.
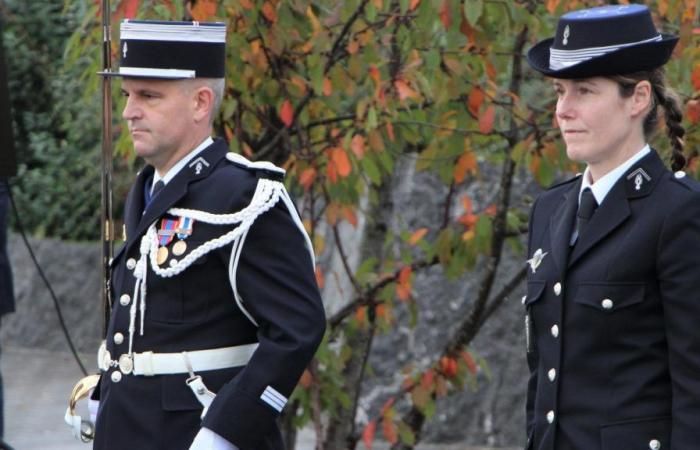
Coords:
267,194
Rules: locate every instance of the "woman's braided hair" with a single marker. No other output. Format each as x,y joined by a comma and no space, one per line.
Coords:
664,96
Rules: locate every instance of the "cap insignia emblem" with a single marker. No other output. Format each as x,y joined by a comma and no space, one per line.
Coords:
567,33
124,50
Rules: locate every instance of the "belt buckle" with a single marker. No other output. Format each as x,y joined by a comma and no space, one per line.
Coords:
126,364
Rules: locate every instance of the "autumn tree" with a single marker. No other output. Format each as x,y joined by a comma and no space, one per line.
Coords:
338,93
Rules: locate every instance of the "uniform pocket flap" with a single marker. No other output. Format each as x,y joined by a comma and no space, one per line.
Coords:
534,291
609,297
648,433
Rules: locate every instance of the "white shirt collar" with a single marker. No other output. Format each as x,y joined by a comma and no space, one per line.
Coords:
601,187
174,170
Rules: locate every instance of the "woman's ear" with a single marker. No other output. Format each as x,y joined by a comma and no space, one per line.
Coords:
641,98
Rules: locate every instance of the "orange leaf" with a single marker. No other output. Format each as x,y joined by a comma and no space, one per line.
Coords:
340,159
405,275
465,164
476,98
466,29
319,277
390,131
403,286
353,46
467,204
204,10
389,431
287,113
374,74
307,177
381,312
378,4
695,77
247,4
269,12
552,5
446,14
405,91
417,236
358,145
414,4
306,379
350,215
491,210
332,172
327,87
368,433
469,361
692,110
427,379
388,404
486,120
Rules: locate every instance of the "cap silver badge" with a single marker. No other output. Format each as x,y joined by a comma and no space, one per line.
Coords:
567,33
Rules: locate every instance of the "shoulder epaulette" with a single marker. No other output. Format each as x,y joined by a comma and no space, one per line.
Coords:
562,183
263,169
681,178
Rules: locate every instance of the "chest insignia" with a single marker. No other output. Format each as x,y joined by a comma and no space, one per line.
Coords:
536,259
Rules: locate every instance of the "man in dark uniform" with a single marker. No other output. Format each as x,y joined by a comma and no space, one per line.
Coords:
216,311
613,289
7,169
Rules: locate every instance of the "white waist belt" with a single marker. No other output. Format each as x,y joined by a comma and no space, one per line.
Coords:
149,363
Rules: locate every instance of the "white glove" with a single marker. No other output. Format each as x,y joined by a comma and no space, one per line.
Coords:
208,440
93,406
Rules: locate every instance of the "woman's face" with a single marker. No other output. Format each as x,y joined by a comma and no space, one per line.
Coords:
596,122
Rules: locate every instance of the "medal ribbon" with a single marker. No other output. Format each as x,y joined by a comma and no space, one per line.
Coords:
166,232
184,227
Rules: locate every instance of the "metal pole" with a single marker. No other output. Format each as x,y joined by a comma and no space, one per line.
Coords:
107,227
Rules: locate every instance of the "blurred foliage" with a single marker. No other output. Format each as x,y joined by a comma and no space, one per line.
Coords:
340,92
56,122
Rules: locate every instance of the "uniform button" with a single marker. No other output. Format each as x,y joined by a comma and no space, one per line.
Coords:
555,331
550,415
679,174
557,289
130,263
654,444
607,303
118,338
552,374
523,300
124,299
116,376
173,262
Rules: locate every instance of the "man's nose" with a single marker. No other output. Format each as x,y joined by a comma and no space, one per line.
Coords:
131,110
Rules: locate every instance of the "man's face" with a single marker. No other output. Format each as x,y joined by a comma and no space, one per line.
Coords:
159,114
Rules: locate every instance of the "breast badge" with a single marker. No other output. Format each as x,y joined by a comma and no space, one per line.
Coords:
536,259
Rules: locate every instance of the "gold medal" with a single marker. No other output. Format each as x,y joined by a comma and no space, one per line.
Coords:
162,255
179,248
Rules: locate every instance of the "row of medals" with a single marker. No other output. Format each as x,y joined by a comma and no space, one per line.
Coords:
179,249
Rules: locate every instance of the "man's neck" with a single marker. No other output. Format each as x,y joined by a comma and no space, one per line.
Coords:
163,167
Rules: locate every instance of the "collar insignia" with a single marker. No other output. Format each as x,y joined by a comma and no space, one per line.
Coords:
198,164
639,176
536,259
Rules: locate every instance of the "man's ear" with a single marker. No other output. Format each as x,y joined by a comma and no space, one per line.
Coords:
203,103
641,98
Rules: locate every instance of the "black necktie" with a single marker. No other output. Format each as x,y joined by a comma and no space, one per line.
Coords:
586,209
154,191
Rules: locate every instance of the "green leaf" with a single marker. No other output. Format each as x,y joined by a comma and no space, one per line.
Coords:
371,170
473,10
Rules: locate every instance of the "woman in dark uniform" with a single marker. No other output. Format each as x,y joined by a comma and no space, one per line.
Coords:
613,291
